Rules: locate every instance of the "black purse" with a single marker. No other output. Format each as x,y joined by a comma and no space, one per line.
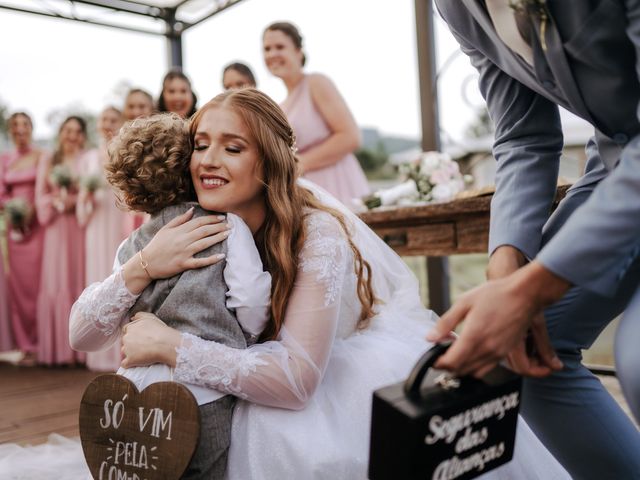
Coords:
453,428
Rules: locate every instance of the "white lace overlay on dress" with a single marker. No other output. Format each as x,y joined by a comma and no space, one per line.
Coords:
102,307
193,364
282,373
324,255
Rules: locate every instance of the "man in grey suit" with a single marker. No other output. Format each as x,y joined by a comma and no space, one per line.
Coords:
581,265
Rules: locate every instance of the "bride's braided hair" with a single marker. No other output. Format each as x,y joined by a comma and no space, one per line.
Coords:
287,203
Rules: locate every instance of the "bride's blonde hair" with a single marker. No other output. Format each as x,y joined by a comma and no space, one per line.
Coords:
286,202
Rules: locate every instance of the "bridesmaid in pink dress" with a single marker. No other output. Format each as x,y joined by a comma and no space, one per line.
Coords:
138,103
62,278
326,132
18,180
6,335
238,75
104,223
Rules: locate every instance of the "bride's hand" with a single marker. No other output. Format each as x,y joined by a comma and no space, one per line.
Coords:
172,249
147,340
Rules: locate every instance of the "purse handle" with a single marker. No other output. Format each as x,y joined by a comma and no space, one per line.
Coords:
414,381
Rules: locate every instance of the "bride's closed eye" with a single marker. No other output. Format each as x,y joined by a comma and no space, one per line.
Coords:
233,149
200,146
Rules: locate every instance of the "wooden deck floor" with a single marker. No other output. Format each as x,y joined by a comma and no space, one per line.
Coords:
37,401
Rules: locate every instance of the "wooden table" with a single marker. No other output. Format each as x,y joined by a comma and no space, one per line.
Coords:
459,226
438,230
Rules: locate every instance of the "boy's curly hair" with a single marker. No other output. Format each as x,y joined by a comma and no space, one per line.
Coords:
149,163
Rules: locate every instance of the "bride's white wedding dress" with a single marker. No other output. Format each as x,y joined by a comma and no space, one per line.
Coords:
305,403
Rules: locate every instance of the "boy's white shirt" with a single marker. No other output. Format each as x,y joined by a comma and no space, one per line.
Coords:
249,294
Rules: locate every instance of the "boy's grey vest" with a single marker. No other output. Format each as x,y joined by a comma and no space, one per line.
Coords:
193,301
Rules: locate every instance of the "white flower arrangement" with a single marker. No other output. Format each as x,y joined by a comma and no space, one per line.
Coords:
433,177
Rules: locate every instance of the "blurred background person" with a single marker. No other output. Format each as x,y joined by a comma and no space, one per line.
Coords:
137,103
177,95
6,335
238,75
326,132
24,243
62,278
103,221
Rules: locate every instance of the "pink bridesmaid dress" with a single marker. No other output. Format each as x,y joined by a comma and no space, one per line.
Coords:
25,255
6,335
62,277
104,231
345,179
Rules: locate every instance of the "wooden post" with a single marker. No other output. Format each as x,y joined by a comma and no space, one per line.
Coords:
173,34
437,267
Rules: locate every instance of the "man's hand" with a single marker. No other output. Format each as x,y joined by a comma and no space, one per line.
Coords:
534,355
503,262
498,316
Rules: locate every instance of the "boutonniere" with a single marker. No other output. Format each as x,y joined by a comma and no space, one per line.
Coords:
533,9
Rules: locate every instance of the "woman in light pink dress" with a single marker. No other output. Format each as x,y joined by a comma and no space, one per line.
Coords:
104,224
18,180
326,132
62,278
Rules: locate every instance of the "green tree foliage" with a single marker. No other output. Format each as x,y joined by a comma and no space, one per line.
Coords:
4,118
481,126
375,162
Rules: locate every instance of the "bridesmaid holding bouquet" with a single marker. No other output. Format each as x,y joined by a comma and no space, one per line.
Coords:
62,278
25,236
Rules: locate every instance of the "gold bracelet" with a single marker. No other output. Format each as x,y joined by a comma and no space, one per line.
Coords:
144,264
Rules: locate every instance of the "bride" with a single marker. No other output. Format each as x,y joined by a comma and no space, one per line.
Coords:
346,313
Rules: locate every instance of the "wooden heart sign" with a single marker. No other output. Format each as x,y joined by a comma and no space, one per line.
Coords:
131,435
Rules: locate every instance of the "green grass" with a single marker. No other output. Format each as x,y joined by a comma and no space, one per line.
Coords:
468,271
465,272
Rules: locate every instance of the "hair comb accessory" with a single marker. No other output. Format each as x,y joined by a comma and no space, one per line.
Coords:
291,141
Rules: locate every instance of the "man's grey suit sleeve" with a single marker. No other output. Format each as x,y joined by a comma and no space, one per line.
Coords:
527,147
598,241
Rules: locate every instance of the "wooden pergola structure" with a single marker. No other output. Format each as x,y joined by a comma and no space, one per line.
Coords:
171,18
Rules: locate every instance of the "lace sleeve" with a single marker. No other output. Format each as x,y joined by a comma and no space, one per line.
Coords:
285,372
97,316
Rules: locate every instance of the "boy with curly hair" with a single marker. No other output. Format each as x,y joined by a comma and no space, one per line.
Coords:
227,302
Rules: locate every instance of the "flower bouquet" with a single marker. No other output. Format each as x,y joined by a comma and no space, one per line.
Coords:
91,183
90,186
434,177
62,177
18,214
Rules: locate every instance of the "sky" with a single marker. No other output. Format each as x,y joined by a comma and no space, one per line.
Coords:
367,47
